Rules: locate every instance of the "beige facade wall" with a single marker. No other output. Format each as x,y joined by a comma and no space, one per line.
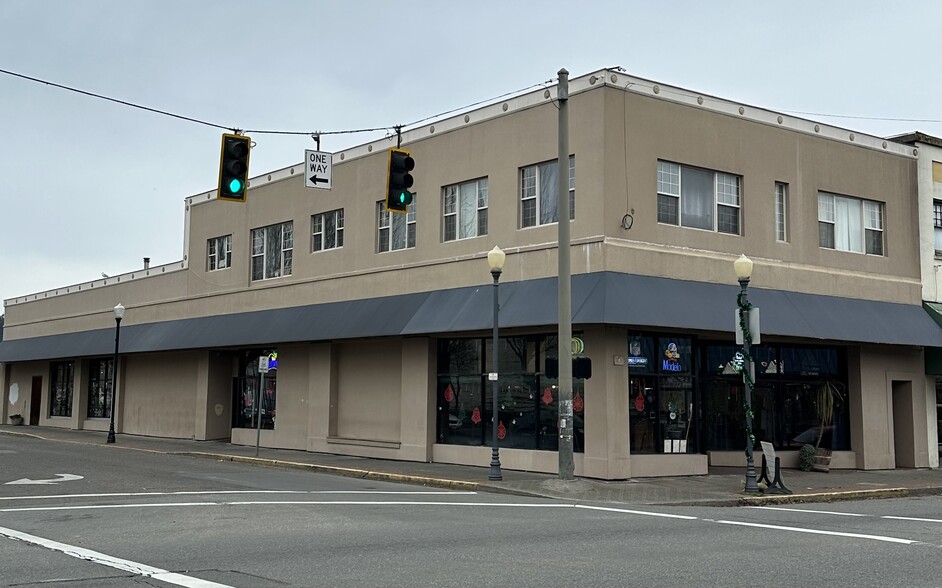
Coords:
377,397
157,395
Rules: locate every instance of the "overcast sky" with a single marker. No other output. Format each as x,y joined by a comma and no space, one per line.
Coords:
90,187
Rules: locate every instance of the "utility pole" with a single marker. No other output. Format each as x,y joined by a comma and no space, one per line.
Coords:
566,466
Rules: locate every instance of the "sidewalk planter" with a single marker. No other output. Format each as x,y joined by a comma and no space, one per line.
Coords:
16,419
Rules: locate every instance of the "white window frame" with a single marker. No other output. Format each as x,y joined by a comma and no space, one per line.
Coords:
833,228
219,253
937,225
727,195
391,225
261,243
464,210
320,223
781,212
532,186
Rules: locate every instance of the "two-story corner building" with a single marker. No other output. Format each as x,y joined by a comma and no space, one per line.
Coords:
377,325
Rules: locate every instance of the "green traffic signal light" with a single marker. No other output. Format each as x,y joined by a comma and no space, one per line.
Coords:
233,167
399,180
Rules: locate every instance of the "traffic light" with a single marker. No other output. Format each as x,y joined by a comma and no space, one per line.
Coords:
399,180
233,167
581,368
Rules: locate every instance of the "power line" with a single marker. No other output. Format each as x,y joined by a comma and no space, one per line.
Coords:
125,103
258,131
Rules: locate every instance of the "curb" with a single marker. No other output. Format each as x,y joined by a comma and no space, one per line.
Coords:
340,471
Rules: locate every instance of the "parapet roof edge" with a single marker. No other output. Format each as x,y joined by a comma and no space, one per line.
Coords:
614,77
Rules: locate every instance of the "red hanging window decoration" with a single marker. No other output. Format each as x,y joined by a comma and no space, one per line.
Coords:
449,393
476,416
577,403
547,397
639,402
501,430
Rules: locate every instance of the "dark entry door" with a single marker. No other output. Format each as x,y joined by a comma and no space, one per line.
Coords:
35,400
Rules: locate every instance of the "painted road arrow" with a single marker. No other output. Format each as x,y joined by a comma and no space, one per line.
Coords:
56,480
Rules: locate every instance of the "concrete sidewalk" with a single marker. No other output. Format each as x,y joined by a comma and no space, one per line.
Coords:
721,487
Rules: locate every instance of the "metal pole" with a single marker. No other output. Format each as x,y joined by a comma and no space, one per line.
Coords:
114,377
566,466
258,411
748,381
494,473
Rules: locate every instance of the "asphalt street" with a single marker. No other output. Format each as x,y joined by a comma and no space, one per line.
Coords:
83,516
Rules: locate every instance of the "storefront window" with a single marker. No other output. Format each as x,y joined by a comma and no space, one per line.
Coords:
528,401
785,399
661,394
60,389
246,390
99,388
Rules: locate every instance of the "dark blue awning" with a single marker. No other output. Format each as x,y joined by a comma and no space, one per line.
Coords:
597,298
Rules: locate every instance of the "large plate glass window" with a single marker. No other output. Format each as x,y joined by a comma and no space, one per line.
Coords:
100,375
60,389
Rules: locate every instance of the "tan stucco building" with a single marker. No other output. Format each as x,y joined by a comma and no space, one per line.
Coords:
377,325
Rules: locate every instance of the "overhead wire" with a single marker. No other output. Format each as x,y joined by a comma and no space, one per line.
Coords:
238,130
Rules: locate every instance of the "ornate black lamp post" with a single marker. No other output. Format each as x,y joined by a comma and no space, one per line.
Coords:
495,260
743,267
118,315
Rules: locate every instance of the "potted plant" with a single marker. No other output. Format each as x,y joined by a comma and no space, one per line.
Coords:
830,394
16,419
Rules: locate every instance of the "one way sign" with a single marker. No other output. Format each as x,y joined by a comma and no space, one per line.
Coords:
317,166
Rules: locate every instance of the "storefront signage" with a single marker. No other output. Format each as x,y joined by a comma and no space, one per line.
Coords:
578,345
637,361
671,361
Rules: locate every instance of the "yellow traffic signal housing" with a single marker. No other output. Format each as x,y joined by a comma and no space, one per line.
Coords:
233,167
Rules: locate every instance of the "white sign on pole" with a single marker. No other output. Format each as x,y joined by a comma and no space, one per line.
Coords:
317,167
263,364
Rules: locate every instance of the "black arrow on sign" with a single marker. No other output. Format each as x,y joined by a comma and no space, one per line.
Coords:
314,180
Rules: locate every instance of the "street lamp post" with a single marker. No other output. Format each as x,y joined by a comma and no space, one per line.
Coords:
118,315
495,260
743,268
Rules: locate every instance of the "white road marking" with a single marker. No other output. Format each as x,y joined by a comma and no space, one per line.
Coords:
820,532
210,492
113,562
56,480
637,512
913,519
828,512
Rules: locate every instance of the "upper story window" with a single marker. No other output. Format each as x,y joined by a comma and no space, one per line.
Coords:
327,230
272,248
539,190
219,254
698,198
394,229
937,224
781,211
850,224
464,210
